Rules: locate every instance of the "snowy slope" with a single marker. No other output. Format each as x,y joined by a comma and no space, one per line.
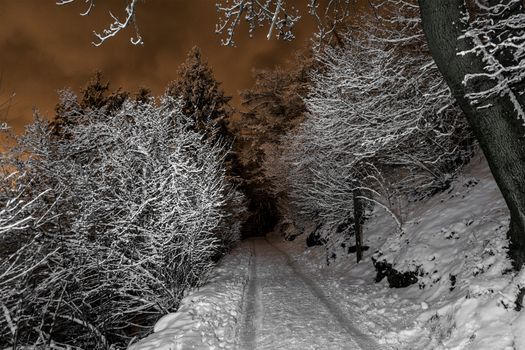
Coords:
464,298
455,242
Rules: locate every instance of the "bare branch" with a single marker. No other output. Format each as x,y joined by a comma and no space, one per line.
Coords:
276,14
379,115
117,26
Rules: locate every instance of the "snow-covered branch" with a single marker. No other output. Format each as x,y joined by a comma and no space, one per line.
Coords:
380,117
278,16
105,223
118,24
497,35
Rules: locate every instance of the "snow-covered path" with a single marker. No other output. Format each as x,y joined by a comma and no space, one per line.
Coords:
286,309
277,293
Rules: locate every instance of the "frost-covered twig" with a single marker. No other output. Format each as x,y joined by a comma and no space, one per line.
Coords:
495,30
109,225
117,25
379,114
277,15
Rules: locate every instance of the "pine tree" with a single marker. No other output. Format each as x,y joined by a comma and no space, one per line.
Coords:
203,101
95,95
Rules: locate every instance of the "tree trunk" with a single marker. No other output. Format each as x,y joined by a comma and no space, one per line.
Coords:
358,221
500,134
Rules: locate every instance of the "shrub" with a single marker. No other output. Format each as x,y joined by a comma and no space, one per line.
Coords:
109,226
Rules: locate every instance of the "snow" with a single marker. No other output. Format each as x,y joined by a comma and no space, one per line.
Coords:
293,312
459,236
208,317
274,294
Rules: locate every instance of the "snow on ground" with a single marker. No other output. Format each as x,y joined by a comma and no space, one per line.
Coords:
466,293
259,299
272,294
208,317
292,311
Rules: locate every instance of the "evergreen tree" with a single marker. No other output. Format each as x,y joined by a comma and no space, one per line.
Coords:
272,107
202,98
95,95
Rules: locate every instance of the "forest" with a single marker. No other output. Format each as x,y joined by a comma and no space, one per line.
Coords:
367,192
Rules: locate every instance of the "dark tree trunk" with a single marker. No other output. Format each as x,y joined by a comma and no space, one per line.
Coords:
358,224
500,134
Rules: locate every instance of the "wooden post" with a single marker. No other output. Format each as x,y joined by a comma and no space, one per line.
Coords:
358,219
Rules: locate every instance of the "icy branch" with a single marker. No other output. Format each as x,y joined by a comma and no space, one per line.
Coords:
377,107
117,26
496,33
276,14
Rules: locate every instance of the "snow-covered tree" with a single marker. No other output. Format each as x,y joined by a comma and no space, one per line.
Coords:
95,95
478,47
380,120
106,228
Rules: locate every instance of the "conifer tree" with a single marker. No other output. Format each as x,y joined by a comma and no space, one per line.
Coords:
271,108
95,95
202,98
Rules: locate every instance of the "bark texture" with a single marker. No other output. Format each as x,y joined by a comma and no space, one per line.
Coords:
500,134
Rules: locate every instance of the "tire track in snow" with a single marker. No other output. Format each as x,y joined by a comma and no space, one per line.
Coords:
252,308
364,341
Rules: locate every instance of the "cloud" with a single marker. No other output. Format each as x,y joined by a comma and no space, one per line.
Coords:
44,47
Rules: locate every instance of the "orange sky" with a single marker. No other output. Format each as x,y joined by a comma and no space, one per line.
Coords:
45,47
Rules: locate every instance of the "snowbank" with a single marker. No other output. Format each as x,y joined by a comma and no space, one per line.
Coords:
208,317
